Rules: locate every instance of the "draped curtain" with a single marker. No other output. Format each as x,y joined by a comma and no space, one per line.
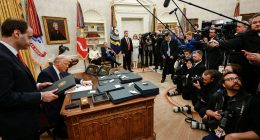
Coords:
13,9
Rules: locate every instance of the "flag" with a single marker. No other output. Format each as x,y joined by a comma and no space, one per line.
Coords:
114,36
183,20
82,47
237,9
155,23
37,48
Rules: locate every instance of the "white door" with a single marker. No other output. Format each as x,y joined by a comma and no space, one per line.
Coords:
132,25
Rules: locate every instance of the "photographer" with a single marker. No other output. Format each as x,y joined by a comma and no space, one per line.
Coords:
157,54
236,113
181,69
205,88
249,41
169,53
214,56
193,70
148,48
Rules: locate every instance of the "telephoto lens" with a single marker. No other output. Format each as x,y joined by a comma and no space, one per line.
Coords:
198,125
185,108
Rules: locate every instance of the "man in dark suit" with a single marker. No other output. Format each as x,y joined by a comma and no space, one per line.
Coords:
52,109
194,70
109,54
127,49
19,96
169,53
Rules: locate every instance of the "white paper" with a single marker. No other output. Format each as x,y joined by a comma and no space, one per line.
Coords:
81,88
117,86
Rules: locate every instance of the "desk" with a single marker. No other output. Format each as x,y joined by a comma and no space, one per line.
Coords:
126,121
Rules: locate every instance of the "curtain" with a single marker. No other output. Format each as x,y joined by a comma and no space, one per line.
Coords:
13,9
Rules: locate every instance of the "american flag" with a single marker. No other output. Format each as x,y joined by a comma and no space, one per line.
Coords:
237,9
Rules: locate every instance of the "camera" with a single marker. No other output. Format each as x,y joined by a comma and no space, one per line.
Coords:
185,108
225,116
198,125
196,79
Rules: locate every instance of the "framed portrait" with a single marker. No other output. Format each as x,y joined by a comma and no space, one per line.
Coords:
56,30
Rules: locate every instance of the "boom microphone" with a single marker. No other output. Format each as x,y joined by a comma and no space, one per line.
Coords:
173,11
166,3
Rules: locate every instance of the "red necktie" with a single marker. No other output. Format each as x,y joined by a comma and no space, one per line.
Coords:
19,56
128,43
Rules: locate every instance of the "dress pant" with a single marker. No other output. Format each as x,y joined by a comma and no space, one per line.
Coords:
168,67
127,60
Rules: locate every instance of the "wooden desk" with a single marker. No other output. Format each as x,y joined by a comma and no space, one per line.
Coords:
126,121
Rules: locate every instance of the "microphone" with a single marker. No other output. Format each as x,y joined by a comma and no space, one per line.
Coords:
173,11
166,3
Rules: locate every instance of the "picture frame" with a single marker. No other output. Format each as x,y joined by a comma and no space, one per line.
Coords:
56,30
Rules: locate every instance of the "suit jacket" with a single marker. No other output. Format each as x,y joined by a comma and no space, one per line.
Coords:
124,45
104,53
173,49
197,70
19,98
52,109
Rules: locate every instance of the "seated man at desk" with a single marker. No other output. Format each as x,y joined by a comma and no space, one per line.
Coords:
52,110
109,55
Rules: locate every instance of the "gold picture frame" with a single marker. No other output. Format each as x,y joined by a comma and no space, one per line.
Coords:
56,30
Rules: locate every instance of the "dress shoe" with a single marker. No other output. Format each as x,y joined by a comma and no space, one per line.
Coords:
131,71
162,81
118,64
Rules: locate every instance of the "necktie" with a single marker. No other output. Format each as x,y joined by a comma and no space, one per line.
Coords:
61,75
19,56
128,43
169,50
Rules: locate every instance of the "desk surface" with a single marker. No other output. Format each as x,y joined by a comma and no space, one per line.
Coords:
77,111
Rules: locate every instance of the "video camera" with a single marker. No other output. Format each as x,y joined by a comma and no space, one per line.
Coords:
224,29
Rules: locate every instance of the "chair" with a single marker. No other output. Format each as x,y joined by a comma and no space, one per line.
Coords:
103,70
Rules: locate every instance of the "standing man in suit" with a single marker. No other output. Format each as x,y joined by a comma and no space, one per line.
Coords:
19,97
127,49
169,53
52,109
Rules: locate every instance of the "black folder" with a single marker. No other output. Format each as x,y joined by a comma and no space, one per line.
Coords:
81,94
147,88
108,77
111,81
109,87
127,78
121,95
62,85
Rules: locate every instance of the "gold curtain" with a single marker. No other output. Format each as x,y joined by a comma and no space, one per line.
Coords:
13,9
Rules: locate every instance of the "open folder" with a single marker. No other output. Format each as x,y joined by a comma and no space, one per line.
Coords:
62,85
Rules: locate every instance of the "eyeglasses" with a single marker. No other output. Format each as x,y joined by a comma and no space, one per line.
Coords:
232,79
211,32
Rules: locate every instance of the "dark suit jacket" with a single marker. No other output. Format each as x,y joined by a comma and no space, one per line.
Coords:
124,45
19,99
173,46
197,70
104,53
52,109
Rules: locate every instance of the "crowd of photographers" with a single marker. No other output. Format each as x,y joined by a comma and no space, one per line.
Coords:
226,99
